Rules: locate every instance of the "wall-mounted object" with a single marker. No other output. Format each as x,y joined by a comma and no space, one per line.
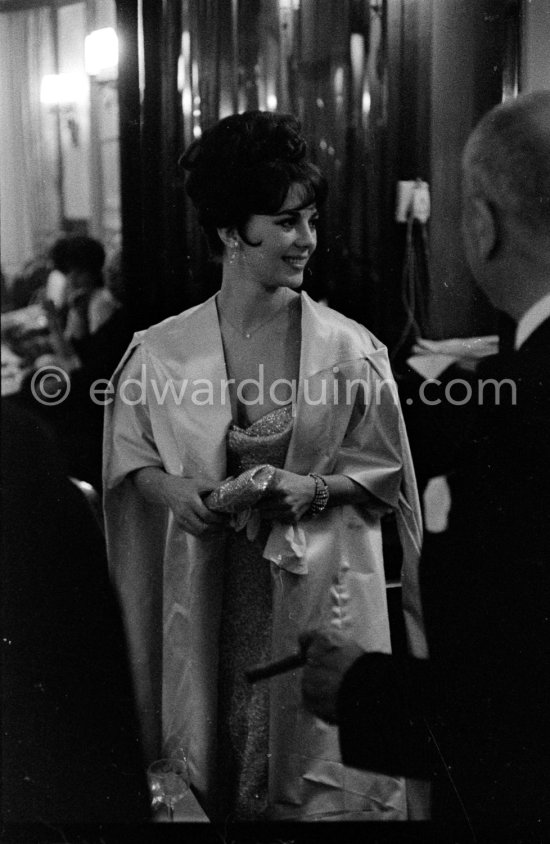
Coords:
101,54
413,201
64,92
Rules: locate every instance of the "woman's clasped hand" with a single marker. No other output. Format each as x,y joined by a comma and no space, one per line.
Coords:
290,498
185,497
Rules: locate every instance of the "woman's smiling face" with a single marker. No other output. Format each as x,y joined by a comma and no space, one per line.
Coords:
286,241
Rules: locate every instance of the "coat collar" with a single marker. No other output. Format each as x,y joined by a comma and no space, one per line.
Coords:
190,345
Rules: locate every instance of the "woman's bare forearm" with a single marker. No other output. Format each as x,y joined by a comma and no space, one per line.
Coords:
152,483
184,497
343,490
158,487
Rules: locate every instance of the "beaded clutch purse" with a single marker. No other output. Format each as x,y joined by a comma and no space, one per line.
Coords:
243,492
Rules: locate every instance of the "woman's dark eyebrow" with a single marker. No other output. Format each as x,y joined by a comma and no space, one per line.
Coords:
295,212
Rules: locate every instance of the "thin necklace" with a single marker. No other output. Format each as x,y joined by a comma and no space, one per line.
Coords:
248,334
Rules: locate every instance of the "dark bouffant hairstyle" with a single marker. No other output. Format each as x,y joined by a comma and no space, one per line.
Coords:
78,252
245,165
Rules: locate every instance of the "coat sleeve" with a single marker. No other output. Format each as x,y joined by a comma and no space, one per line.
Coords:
375,453
129,442
136,534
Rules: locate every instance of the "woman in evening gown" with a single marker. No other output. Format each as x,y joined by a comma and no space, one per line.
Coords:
258,374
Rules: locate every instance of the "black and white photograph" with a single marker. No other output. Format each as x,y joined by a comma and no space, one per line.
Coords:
275,346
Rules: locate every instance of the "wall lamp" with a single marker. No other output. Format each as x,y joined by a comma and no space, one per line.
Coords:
101,54
62,92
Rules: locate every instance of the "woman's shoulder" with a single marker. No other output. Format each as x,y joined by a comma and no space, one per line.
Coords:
172,339
176,329
343,329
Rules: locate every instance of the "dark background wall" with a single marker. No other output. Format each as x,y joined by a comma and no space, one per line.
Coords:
470,63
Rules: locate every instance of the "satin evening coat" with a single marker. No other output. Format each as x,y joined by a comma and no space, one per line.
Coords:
170,582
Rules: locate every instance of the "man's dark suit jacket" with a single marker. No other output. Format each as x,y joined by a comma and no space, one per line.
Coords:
475,717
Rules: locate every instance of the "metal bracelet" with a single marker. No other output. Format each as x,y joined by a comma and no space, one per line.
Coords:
320,499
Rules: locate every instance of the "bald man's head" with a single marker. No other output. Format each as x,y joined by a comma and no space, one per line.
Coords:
506,202
507,160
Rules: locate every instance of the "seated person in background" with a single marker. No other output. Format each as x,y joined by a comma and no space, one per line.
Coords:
70,748
96,334
100,331
475,715
90,303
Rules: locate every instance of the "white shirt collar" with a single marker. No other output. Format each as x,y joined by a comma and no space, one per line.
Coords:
531,320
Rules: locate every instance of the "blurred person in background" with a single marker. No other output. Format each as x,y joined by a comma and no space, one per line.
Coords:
88,335
88,303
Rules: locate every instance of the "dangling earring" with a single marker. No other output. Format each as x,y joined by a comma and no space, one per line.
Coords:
234,245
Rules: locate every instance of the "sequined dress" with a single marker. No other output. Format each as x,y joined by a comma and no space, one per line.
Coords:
245,637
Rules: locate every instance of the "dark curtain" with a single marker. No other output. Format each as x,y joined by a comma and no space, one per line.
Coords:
323,60
359,75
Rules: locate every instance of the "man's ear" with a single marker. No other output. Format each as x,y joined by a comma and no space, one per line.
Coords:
484,224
